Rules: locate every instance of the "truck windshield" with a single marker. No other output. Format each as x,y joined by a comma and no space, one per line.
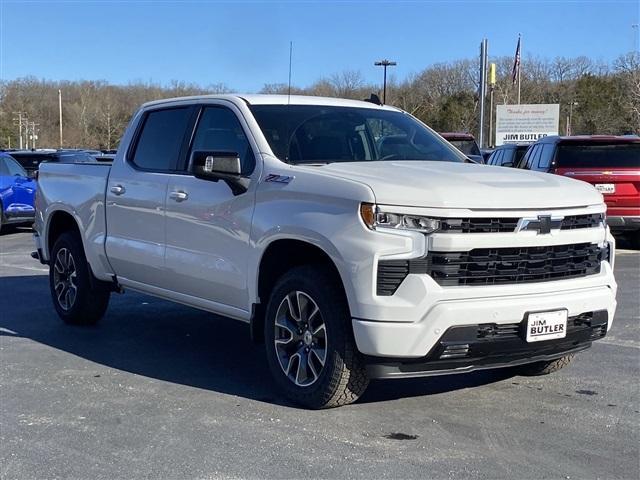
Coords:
301,134
617,155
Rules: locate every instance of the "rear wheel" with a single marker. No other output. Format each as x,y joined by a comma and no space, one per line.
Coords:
309,341
545,368
75,298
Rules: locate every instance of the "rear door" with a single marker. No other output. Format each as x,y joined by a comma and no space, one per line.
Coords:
612,167
136,196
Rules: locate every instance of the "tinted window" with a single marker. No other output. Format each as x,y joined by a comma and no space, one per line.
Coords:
3,166
545,158
219,130
519,153
622,155
14,168
321,134
159,142
532,156
496,158
506,156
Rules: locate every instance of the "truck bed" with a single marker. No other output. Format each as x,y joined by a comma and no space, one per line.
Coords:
78,190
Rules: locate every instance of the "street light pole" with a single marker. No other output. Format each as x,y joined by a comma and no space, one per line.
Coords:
385,63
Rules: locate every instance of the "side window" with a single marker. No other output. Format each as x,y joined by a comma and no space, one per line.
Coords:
497,157
3,166
545,158
219,130
159,143
507,157
533,157
14,168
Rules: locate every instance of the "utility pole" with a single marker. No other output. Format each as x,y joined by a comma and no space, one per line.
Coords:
60,113
21,119
569,128
482,90
384,64
33,133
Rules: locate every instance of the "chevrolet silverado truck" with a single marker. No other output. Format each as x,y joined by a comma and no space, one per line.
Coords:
355,241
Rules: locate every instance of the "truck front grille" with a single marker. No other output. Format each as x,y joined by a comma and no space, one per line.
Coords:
495,266
508,224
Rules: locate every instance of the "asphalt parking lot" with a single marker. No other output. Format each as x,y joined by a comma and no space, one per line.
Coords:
159,390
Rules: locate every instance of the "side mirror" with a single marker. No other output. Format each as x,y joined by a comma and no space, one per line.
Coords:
214,166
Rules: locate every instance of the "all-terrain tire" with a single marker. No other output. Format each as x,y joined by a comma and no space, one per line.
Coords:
90,300
545,368
343,378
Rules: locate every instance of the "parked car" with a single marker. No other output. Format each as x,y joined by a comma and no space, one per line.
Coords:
508,155
17,193
31,159
610,163
465,143
353,241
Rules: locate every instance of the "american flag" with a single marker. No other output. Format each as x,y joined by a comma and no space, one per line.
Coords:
515,73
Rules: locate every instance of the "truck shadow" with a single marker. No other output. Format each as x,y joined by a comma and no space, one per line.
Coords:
178,344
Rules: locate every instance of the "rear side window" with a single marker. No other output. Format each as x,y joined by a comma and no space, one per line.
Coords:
621,155
545,159
496,158
160,140
219,130
3,166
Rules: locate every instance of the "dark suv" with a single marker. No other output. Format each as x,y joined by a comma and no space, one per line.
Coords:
610,163
31,159
508,155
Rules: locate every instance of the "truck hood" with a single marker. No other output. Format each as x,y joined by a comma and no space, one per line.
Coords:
464,185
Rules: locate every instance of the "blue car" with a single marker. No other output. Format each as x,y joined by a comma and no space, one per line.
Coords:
17,193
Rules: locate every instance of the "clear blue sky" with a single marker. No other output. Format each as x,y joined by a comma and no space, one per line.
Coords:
245,44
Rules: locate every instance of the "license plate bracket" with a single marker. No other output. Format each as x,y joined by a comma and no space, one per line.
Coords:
547,325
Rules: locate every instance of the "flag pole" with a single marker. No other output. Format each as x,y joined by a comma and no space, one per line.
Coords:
519,66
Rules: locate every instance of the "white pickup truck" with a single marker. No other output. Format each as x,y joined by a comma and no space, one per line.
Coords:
354,241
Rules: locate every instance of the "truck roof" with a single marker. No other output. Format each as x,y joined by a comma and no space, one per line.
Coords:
263,99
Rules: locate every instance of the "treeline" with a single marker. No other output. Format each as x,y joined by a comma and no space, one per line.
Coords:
603,98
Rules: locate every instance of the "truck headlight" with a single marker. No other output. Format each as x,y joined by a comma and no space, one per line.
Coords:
375,219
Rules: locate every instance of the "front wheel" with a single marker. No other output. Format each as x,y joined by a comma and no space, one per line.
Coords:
309,341
545,368
75,297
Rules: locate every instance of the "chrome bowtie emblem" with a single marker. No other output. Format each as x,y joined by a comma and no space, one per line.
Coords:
543,224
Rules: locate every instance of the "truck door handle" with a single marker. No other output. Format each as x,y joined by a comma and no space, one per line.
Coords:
179,196
118,189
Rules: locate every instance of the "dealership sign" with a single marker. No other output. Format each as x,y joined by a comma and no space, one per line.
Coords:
526,123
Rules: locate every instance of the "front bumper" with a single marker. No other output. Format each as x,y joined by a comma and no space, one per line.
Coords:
416,339
467,348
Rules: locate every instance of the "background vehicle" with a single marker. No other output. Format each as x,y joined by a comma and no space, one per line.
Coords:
17,193
31,159
465,143
507,155
355,242
610,163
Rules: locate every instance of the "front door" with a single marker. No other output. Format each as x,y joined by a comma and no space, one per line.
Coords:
136,197
208,225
